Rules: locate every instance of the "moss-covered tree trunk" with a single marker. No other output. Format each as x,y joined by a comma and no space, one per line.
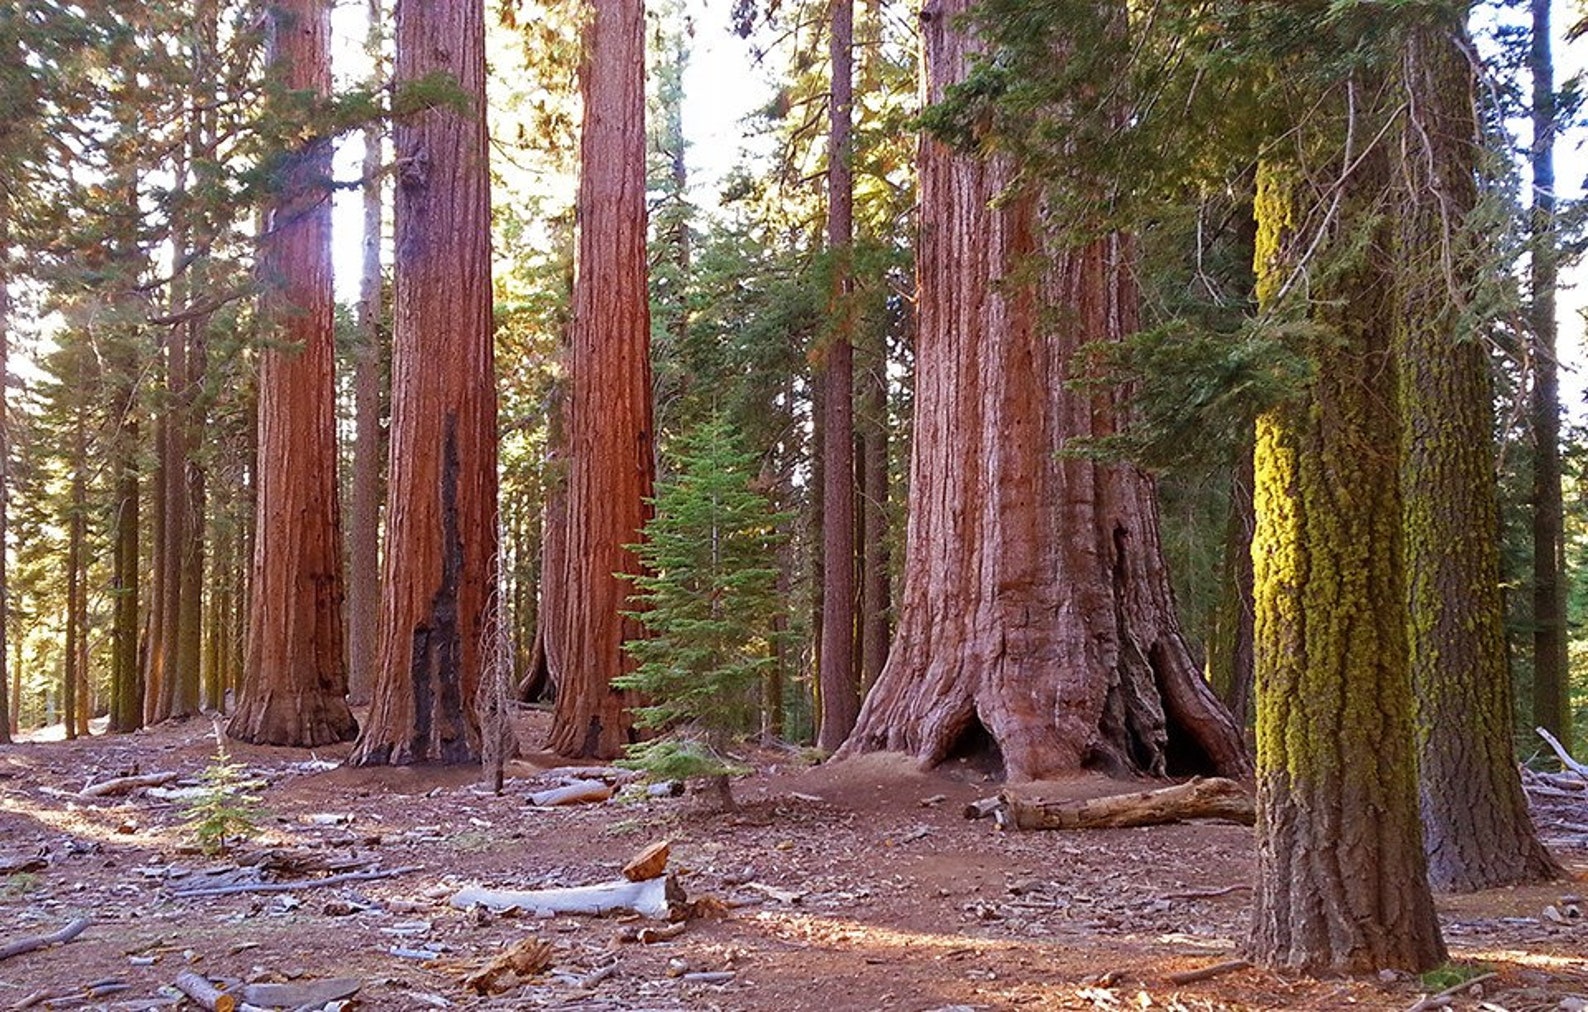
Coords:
1477,830
1036,612
1341,877
295,664
438,570
611,457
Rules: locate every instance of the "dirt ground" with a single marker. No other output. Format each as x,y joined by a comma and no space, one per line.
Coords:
851,886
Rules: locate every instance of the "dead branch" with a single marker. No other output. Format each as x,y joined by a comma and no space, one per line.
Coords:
61,937
1565,758
661,898
1442,998
284,887
1205,894
579,792
1207,972
125,785
1212,798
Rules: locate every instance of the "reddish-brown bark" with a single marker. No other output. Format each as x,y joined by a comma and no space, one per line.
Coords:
1036,609
363,570
439,569
295,676
611,464
840,686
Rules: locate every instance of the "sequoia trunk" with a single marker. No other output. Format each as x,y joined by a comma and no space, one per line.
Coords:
438,574
295,674
611,460
1036,609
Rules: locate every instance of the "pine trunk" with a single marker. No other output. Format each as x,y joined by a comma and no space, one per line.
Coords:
7,721
363,576
611,460
1036,616
75,680
1341,876
876,598
840,688
1478,834
438,579
1551,672
1229,658
295,675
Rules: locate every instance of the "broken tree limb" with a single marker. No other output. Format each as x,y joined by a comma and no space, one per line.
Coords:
125,785
1442,998
61,937
1207,972
202,991
661,898
579,793
1212,798
1566,761
982,808
286,887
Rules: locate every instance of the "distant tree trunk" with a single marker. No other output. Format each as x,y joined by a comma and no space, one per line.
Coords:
1478,834
1036,616
295,675
1341,876
126,693
840,689
7,720
74,698
611,460
439,568
1551,672
363,584
876,597
543,677
1229,658
169,529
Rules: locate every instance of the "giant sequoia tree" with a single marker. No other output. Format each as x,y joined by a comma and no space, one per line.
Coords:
1036,607
439,566
611,463
295,665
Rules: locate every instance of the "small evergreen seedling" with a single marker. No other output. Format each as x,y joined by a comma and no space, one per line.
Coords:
707,599
225,810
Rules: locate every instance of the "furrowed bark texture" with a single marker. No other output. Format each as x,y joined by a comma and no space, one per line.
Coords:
439,565
1477,831
611,462
1341,877
840,686
1036,607
295,668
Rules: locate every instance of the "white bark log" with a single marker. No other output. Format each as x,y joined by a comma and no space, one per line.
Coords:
660,898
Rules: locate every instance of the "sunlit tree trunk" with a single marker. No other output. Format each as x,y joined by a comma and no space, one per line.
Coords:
7,718
1341,876
438,574
1478,834
611,461
295,675
1036,616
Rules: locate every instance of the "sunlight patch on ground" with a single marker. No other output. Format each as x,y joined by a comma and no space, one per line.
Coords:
1536,960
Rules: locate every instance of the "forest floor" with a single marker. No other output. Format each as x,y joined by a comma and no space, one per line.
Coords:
850,886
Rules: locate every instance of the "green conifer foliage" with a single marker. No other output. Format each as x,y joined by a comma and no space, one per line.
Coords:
707,600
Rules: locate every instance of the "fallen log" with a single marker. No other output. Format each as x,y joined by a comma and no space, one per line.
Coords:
61,937
286,887
125,785
661,898
1212,798
579,793
202,991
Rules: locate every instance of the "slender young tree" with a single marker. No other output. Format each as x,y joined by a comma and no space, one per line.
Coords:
1036,608
1478,834
1551,673
611,461
295,675
5,444
840,688
363,571
438,574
